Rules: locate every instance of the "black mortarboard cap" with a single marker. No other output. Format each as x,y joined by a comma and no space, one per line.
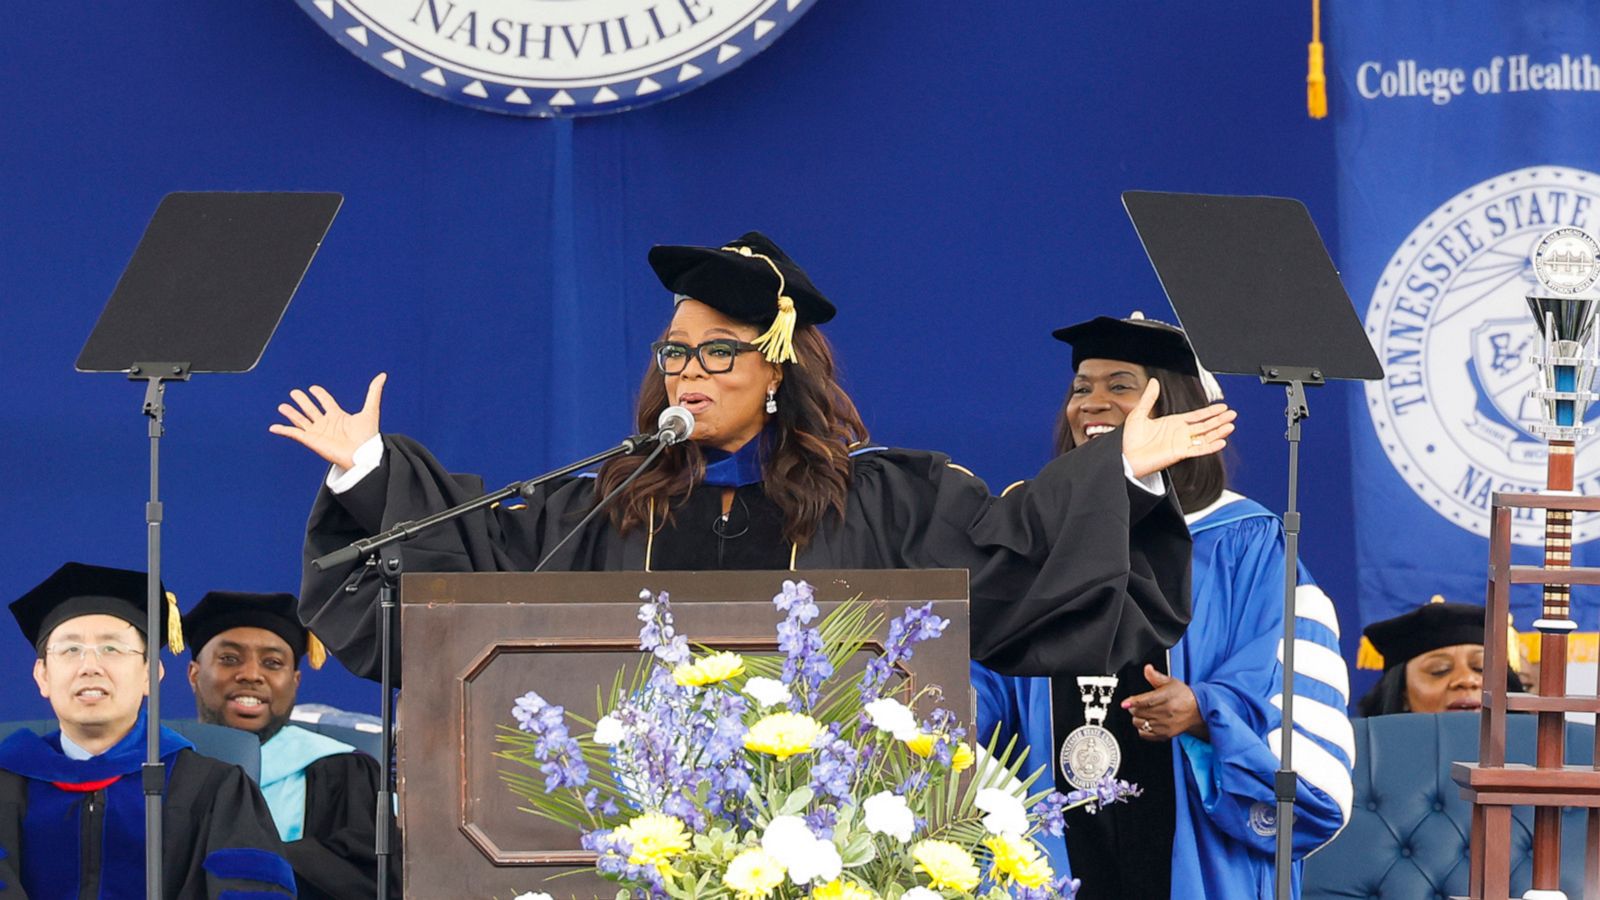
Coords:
1136,340
1424,629
79,589
751,280
220,611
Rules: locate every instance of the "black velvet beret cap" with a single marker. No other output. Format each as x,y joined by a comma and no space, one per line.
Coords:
79,589
1425,629
751,280
1136,340
220,611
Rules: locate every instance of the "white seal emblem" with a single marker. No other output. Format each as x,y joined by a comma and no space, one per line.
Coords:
1450,323
555,57
1566,261
1264,819
1091,754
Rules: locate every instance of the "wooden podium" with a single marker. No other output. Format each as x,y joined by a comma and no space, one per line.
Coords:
473,643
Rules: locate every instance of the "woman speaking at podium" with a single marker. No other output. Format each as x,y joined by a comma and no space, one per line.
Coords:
1086,563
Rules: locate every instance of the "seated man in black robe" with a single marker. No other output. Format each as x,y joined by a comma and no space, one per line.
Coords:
72,820
245,672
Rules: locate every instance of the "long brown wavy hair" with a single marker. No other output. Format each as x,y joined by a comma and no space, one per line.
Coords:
806,461
1199,480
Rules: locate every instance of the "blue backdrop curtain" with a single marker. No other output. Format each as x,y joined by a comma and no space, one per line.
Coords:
948,172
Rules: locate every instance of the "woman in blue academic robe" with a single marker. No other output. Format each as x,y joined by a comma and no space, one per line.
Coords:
1197,726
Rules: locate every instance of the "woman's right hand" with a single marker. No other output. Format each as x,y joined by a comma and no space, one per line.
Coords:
327,430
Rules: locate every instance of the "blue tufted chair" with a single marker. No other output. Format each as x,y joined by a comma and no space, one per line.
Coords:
1407,835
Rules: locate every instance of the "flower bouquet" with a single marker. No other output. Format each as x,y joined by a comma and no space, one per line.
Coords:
726,776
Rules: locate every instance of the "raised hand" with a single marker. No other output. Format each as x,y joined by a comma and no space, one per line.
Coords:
327,429
1152,444
1167,711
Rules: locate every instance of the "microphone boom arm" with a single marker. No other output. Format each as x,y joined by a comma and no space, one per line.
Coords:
404,531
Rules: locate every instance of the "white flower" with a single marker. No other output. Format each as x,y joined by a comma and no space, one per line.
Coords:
916,893
767,691
892,716
887,813
608,732
815,861
806,857
1006,814
532,896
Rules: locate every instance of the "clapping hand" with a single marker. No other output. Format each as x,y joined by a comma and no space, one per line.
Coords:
325,428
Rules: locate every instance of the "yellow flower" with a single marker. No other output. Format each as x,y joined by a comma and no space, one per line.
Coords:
709,670
842,890
753,874
655,838
946,865
962,758
1018,859
783,734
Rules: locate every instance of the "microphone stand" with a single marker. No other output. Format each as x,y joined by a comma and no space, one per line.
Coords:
382,553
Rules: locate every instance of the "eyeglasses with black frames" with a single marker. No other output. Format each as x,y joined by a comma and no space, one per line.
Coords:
716,357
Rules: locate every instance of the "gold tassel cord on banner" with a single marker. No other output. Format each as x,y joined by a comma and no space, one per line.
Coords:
1316,77
174,624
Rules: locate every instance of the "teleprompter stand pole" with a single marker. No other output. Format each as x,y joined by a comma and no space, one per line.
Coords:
154,774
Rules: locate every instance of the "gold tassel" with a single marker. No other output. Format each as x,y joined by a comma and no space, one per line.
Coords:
174,624
1513,644
777,344
1316,80
1316,84
316,652
1368,657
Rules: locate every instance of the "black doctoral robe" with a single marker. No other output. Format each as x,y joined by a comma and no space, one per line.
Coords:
1076,569
75,828
334,857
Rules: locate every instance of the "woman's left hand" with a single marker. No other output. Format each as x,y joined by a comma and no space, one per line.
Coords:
1152,444
1167,711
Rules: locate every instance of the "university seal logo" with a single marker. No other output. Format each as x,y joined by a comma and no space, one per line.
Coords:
555,57
1449,320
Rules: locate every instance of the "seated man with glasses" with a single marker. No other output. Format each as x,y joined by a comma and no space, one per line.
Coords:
72,820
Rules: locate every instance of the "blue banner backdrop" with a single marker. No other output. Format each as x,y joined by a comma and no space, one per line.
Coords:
949,173
1465,132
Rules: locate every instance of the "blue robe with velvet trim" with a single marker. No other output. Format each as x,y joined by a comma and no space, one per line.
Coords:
75,828
1225,814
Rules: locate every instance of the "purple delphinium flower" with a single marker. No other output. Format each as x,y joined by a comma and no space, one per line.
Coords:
797,600
611,859
834,768
563,759
805,665
821,822
658,634
915,625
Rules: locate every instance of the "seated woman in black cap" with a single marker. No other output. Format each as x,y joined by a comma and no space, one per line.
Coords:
775,477
72,804
1432,661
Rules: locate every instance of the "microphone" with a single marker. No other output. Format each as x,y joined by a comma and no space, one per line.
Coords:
674,425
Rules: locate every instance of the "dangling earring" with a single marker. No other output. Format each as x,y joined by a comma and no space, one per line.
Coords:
772,400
